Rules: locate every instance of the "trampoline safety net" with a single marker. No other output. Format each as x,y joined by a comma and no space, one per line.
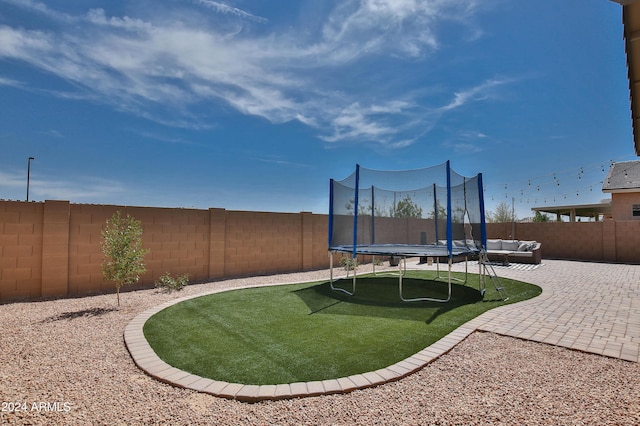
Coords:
432,211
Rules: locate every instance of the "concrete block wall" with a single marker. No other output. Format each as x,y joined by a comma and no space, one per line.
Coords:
178,240
52,248
21,225
262,243
319,243
389,230
627,241
55,249
609,241
85,257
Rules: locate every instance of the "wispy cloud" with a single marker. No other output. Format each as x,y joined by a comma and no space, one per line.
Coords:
357,122
41,8
226,9
172,71
468,142
480,92
164,138
53,133
279,161
11,82
80,189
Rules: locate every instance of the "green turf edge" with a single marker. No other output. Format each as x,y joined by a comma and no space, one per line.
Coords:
306,332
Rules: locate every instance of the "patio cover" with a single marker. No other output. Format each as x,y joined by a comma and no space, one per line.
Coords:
580,210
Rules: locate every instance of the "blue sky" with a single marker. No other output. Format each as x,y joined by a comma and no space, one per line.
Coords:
255,105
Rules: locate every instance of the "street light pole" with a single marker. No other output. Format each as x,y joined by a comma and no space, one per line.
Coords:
29,175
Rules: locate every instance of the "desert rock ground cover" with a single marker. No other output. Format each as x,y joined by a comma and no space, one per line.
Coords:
64,362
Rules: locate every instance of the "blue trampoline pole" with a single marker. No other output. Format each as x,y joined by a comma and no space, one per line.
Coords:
330,238
435,211
373,216
355,213
483,223
449,227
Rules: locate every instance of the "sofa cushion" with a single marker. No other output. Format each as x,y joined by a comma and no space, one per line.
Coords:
459,243
511,245
526,245
521,254
494,244
501,252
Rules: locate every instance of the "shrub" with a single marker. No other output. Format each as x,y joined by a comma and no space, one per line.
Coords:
167,283
349,263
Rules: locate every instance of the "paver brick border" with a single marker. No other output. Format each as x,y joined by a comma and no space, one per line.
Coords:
148,361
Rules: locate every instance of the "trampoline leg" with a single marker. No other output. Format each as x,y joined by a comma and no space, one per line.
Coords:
481,284
331,267
449,278
423,299
400,273
466,269
353,289
355,269
449,295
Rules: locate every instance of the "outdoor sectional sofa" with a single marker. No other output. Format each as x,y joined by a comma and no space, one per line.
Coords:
498,250
514,251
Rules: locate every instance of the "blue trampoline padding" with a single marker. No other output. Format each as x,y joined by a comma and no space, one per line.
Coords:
405,250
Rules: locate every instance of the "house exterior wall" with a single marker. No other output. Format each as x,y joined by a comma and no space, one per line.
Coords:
622,205
52,248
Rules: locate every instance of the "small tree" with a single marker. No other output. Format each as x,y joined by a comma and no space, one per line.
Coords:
541,217
406,207
440,214
122,249
503,213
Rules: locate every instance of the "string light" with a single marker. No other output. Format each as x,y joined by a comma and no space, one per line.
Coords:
583,178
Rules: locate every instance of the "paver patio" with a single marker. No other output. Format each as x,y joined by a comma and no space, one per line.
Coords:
590,307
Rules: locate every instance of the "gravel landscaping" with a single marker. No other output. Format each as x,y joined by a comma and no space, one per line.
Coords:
64,362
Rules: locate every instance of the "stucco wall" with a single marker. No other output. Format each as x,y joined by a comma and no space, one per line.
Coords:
622,203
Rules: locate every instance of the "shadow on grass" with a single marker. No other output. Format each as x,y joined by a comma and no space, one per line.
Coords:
379,297
86,313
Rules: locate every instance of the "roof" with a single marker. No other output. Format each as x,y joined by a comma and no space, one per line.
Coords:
623,177
580,210
631,23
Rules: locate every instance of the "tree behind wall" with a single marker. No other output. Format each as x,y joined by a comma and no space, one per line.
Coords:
541,217
503,213
406,207
122,249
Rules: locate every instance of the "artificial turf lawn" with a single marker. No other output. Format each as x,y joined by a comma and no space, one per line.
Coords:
307,332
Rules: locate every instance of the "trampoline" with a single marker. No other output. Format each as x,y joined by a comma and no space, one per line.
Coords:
405,250
431,212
